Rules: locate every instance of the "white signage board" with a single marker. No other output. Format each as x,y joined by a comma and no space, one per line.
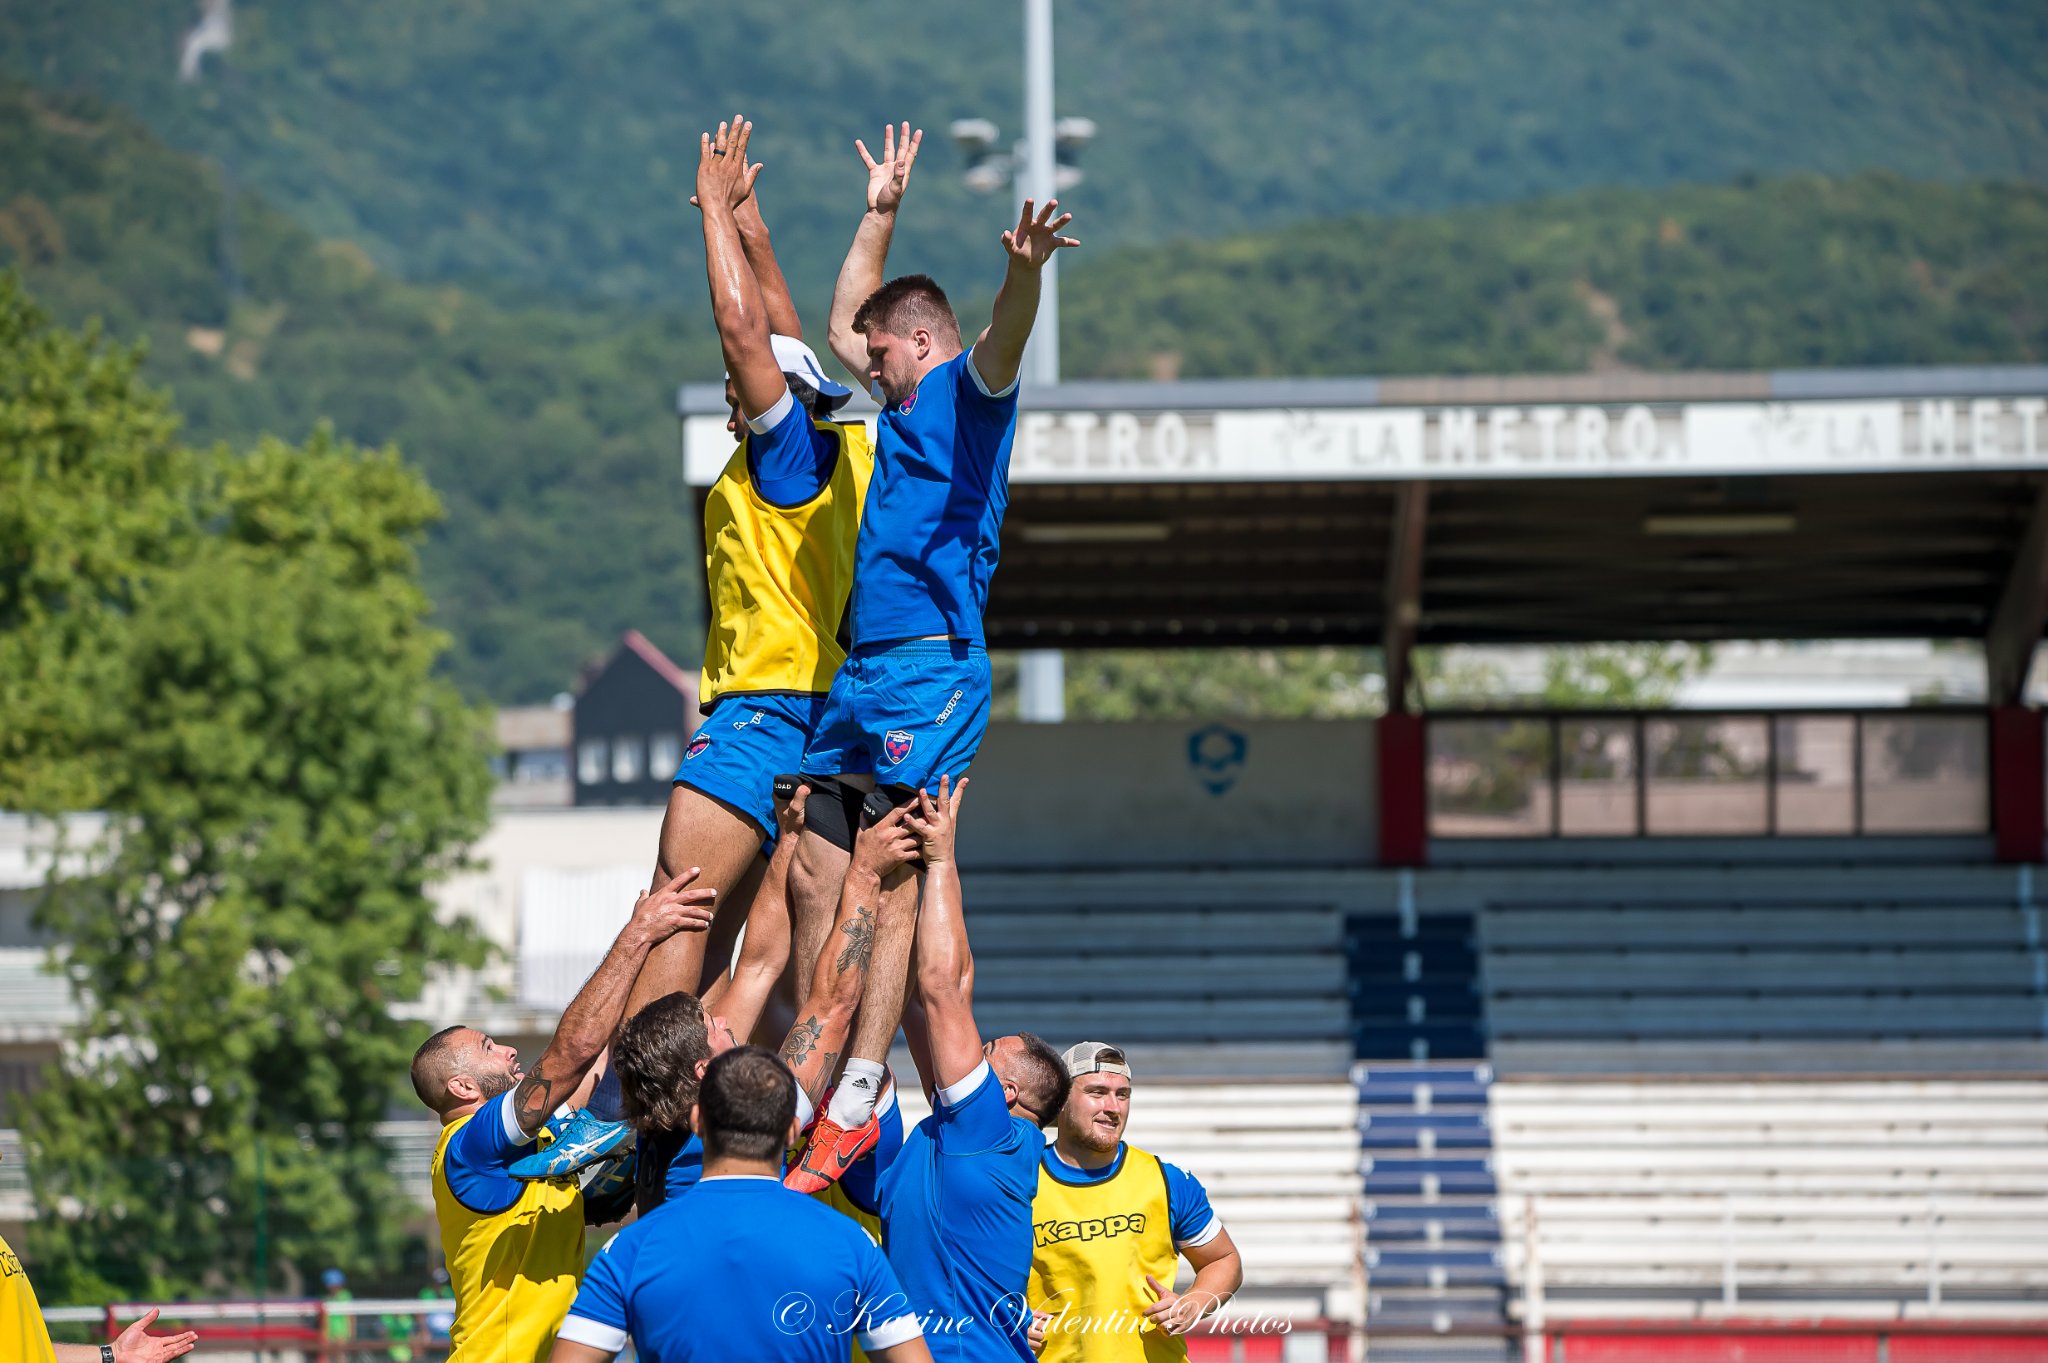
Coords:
1508,441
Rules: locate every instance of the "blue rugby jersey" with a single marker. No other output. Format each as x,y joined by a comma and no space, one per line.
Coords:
742,1268
956,1218
932,526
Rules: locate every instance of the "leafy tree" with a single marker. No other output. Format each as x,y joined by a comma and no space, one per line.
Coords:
95,506
283,776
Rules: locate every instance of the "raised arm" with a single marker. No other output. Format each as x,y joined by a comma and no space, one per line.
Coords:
724,181
741,996
861,274
945,965
999,350
825,1015
593,1015
775,296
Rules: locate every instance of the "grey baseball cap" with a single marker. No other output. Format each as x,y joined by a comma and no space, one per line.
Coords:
1096,1057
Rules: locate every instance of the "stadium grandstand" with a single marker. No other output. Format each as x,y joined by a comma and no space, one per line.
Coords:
1598,1035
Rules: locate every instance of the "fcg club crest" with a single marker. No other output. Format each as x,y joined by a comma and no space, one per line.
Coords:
1217,754
907,404
897,744
697,745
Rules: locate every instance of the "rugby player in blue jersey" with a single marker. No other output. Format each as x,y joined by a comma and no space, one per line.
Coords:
956,1201
743,1268
911,702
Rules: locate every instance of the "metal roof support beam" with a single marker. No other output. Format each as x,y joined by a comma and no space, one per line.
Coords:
2022,612
1404,591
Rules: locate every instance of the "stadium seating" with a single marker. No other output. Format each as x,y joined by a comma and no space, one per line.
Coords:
1816,1197
1670,984
1211,973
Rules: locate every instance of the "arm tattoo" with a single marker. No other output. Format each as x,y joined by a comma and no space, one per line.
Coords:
802,1039
860,939
533,1101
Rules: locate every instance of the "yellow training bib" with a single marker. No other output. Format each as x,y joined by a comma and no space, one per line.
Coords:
779,576
22,1332
1092,1245
514,1272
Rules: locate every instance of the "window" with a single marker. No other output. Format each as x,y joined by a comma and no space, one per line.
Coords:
1489,778
626,753
537,766
1707,776
1693,774
1925,774
664,754
1596,795
1815,774
591,759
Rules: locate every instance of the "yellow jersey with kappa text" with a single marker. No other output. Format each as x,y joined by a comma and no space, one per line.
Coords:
1092,1245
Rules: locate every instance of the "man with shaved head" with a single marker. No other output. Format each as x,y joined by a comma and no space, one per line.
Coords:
514,1249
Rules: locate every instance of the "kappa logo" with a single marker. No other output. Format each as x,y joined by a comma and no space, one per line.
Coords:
947,713
697,745
897,743
1097,1228
753,717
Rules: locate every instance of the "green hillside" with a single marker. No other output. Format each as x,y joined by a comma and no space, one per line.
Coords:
546,428
546,432
547,143
1866,270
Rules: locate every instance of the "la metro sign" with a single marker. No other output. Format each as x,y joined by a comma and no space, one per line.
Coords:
1543,441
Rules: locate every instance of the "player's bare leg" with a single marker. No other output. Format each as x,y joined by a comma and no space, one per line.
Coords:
700,831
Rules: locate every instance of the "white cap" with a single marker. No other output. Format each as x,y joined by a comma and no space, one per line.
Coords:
799,361
1096,1057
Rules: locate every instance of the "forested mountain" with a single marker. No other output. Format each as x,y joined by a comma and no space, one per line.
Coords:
550,143
546,427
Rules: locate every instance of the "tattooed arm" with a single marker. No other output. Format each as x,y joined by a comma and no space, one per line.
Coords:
593,1015
826,1013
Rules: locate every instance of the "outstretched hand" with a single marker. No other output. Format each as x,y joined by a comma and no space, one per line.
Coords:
936,819
888,177
1033,240
675,907
723,175
136,1345
885,844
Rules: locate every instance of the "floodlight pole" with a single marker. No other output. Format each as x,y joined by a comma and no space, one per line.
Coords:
1035,181
1041,672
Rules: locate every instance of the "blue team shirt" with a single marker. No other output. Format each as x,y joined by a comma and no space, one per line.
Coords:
931,528
742,1268
956,1217
480,1154
1187,1201
789,458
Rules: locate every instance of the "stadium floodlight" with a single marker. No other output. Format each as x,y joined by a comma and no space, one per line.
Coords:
1069,135
976,137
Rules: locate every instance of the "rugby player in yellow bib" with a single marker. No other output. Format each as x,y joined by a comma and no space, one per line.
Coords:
514,1249
780,526
1109,1224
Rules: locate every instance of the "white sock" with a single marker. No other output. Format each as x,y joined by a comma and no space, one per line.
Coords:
804,1107
853,1102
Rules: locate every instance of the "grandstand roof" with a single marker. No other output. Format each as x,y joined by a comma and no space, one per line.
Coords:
1790,504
